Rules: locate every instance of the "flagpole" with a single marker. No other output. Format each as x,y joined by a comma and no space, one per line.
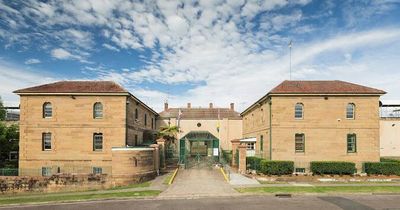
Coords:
290,60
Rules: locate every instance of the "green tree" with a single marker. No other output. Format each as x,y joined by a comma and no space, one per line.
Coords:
9,136
2,110
168,132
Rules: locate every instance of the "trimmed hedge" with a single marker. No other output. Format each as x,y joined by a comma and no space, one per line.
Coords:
390,160
332,167
253,163
276,167
227,156
385,168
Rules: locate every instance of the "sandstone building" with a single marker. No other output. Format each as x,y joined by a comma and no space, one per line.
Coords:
84,127
307,121
390,129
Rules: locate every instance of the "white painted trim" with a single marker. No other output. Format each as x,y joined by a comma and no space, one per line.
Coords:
253,139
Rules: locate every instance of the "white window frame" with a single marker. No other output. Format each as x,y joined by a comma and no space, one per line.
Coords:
98,110
47,110
46,171
96,137
97,170
46,140
296,111
352,112
303,142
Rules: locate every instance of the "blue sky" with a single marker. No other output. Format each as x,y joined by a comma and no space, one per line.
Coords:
199,51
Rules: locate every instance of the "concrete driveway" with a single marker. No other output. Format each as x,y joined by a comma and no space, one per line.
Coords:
198,182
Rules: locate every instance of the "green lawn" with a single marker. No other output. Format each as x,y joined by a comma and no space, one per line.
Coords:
73,197
322,189
144,184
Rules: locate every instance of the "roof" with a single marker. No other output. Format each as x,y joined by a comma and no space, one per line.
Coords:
323,87
201,113
75,87
327,87
81,87
199,136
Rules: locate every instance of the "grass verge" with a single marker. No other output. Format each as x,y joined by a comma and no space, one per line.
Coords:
139,185
322,189
73,197
167,178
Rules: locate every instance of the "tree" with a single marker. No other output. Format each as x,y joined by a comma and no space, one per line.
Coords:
2,110
168,132
9,136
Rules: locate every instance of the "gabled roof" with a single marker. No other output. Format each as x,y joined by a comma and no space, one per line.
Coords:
75,87
323,87
201,113
327,87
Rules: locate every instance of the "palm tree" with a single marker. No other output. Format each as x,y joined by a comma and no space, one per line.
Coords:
168,132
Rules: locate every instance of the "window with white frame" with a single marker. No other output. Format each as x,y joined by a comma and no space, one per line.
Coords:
250,146
299,142
298,111
351,143
98,110
46,141
47,110
350,110
46,171
97,141
97,170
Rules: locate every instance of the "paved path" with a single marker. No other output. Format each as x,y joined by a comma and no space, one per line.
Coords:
198,182
310,202
240,180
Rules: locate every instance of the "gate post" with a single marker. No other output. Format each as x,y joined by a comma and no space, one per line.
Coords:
161,143
242,159
235,144
156,158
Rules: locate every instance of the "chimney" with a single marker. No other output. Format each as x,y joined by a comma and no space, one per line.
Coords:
211,105
165,106
189,105
232,106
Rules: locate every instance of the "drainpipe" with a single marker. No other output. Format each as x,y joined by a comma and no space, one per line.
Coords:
270,129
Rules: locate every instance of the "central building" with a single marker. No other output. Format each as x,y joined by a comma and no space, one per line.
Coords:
203,131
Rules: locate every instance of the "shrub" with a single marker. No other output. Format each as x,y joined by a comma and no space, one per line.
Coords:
276,167
227,156
385,168
332,167
390,160
253,163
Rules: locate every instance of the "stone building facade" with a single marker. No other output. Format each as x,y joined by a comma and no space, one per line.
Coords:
306,121
77,126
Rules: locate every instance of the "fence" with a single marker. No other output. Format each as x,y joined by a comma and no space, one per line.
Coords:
8,171
51,170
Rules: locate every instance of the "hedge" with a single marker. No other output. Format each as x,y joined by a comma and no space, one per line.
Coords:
390,160
253,163
385,168
332,167
276,167
227,156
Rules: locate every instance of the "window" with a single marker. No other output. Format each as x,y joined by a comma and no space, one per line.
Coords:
145,119
46,171
300,170
46,141
261,143
97,110
97,142
299,142
136,114
13,155
250,146
351,143
47,110
350,109
136,140
97,170
298,111
152,123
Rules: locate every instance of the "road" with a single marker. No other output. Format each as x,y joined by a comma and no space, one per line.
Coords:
309,202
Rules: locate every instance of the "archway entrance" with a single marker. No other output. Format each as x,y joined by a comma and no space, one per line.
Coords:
198,146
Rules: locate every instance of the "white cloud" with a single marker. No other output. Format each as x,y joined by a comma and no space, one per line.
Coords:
62,54
32,61
110,47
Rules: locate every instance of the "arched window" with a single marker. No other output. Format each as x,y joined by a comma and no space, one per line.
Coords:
97,110
298,111
350,110
136,114
47,110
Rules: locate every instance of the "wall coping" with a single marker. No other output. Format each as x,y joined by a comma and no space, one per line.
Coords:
131,149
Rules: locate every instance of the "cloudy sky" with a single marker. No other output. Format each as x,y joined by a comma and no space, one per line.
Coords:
199,51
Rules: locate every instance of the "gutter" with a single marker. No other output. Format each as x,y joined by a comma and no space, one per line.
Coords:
270,128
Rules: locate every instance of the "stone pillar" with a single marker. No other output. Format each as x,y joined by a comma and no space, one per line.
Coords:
235,145
161,143
242,159
156,157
